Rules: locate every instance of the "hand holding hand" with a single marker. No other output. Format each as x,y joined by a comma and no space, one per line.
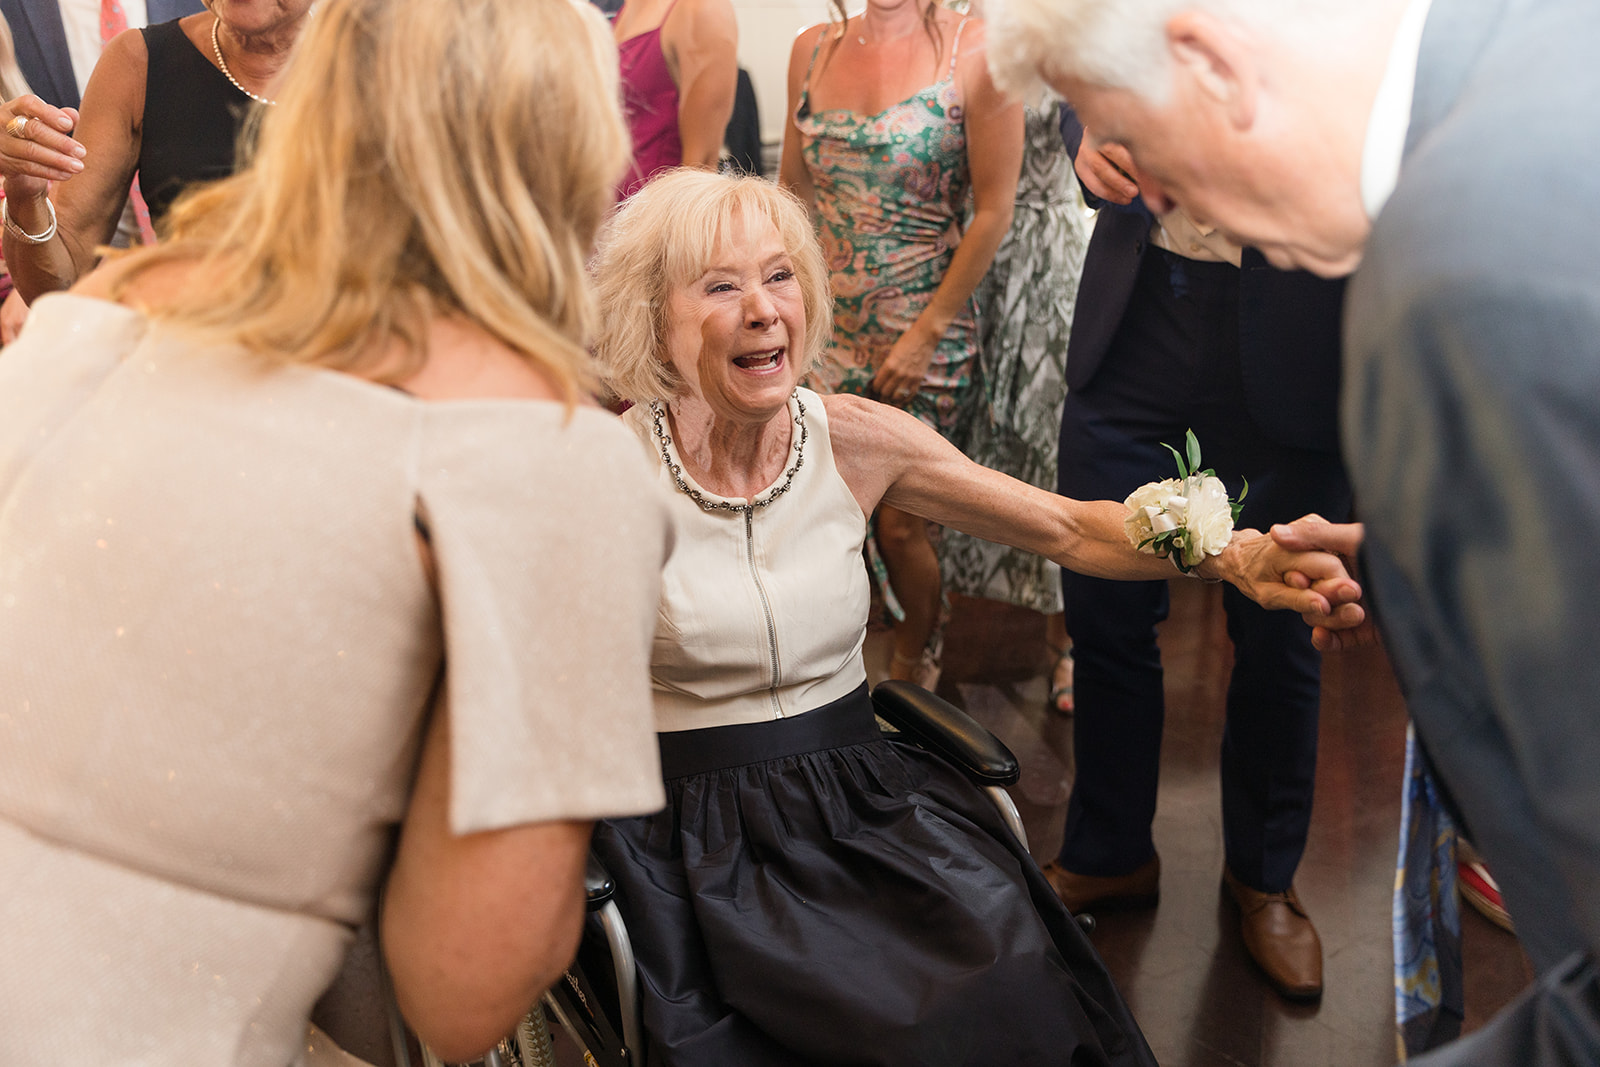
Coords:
36,147
1311,582
1348,626
1106,170
899,376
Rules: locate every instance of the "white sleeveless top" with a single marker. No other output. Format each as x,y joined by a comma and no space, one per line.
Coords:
762,612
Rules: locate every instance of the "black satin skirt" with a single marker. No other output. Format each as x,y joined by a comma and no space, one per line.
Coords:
815,893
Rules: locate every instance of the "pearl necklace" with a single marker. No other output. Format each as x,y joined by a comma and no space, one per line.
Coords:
658,415
222,64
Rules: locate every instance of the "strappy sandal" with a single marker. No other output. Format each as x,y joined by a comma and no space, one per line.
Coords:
1060,698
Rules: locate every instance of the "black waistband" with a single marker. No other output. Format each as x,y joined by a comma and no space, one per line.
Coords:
846,721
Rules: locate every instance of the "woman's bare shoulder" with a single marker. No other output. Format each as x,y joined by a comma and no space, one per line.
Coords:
118,82
126,51
863,430
808,38
699,14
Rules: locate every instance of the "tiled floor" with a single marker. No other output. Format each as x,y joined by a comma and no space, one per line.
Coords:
1181,966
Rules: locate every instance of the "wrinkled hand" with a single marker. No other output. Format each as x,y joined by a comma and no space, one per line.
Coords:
13,313
899,376
1311,582
1106,170
39,151
1335,631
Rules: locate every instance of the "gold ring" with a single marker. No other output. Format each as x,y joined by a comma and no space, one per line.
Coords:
18,126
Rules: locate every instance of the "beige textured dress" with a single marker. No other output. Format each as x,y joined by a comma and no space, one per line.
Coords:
218,649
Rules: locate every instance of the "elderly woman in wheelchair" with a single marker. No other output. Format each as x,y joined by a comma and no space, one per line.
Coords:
814,891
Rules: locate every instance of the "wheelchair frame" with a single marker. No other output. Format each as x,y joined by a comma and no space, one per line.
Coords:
581,1007
915,715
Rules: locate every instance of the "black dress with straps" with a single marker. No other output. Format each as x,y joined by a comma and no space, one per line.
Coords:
191,119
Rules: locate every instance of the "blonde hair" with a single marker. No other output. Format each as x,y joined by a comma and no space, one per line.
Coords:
665,237
426,157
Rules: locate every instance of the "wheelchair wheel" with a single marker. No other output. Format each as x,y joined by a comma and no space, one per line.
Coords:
533,1040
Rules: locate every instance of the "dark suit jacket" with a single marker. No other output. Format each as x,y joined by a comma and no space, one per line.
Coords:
42,43
1472,419
1288,324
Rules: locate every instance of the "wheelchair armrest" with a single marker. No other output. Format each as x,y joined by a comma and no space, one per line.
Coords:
597,884
941,727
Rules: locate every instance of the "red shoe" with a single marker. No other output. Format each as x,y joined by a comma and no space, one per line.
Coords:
1479,887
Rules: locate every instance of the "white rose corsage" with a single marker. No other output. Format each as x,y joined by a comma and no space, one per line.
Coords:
1184,519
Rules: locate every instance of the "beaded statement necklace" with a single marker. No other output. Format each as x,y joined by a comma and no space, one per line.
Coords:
658,416
222,64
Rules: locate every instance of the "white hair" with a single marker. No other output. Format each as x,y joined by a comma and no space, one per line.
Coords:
1122,44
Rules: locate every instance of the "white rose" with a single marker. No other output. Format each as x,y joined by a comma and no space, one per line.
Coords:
1209,519
1145,503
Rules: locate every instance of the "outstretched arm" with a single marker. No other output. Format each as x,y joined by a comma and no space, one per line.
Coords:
887,455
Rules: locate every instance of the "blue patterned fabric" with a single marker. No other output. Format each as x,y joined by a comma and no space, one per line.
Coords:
1427,915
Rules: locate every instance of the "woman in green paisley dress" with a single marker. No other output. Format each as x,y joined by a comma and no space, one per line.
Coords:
1025,307
893,122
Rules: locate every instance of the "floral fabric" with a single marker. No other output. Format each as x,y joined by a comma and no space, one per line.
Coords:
891,190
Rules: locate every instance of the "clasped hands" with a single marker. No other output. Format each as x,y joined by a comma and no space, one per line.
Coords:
1108,171
1345,624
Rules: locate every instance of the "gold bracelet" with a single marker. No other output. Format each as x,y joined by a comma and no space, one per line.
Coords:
24,235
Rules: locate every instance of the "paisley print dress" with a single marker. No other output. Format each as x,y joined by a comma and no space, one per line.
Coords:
891,190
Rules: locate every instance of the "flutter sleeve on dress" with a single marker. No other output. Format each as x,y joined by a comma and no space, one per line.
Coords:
549,536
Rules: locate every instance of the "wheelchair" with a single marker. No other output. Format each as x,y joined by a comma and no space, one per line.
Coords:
596,1001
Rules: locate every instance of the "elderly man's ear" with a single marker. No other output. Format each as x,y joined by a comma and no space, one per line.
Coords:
1217,62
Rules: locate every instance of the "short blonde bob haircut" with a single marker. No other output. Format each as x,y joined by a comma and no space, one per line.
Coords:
665,237
425,158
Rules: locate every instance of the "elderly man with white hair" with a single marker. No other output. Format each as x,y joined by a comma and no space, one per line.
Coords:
1408,138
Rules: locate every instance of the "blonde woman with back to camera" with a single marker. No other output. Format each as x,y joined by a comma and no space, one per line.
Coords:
307,530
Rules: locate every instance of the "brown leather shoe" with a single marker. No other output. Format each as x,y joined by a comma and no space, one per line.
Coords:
1280,938
1140,888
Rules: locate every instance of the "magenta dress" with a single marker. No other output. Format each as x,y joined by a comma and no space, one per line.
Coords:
650,103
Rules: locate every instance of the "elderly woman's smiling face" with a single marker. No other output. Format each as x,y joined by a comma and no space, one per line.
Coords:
736,334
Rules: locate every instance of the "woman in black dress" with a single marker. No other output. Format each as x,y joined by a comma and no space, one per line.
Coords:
164,104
